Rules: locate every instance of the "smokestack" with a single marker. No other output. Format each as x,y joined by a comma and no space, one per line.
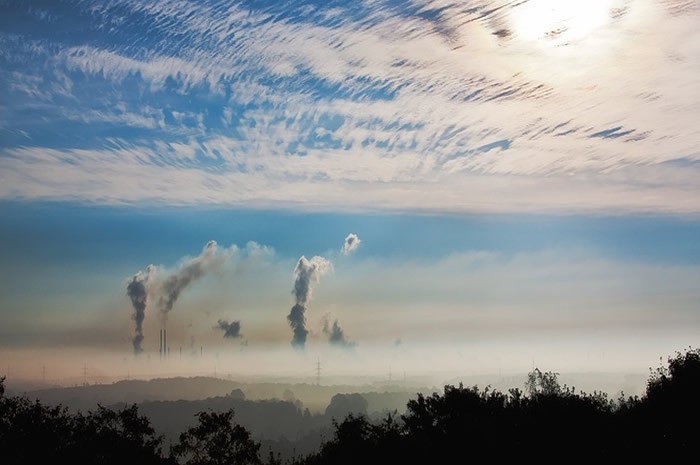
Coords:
160,349
165,342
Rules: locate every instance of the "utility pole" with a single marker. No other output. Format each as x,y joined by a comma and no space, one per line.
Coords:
43,373
84,374
318,372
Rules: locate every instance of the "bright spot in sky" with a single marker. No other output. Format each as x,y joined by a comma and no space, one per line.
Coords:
559,21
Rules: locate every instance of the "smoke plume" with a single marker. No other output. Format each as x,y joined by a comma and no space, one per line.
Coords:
172,286
306,273
351,243
231,330
164,286
137,290
335,333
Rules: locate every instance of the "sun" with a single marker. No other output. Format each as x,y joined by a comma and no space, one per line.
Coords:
559,22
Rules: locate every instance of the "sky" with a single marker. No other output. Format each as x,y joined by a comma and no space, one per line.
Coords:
375,186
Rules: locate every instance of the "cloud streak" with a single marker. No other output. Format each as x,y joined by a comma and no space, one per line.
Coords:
363,107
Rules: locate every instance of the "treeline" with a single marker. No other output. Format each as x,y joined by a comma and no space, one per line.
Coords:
544,422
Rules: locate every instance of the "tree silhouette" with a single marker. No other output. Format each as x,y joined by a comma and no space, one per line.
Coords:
546,418
671,404
546,383
216,440
115,437
31,432
357,440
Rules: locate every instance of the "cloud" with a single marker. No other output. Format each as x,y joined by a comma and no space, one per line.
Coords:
376,107
155,70
132,175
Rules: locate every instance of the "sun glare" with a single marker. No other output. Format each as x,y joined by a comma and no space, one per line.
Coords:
559,22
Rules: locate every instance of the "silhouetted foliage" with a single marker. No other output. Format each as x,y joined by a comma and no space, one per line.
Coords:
547,418
671,405
357,440
216,440
679,380
546,383
107,436
31,432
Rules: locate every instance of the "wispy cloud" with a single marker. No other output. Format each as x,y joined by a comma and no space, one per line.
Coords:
145,174
425,106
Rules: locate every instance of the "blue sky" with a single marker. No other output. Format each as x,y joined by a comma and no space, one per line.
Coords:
507,166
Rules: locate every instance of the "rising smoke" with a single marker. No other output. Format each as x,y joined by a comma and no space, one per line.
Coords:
231,330
137,290
350,244
189,271
335,333
306,273
144,288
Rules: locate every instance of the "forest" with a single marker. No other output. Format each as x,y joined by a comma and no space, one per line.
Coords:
544,421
